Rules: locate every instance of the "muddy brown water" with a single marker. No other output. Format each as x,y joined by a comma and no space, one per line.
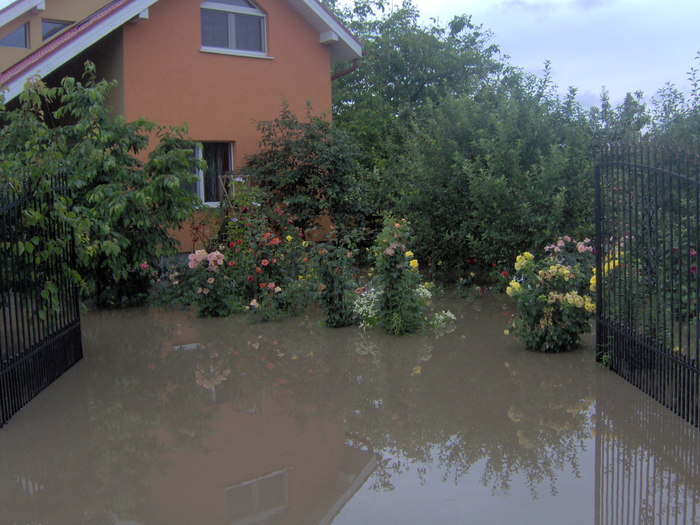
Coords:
170,419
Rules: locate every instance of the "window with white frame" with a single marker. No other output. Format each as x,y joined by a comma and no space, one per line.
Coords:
210,182
233,26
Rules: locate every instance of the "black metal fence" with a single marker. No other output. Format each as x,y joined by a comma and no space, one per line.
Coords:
40,328
648,280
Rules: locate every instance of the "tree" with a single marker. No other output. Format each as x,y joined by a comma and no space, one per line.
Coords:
309,167
121,208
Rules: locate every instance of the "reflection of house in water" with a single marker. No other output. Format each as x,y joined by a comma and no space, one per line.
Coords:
130,437
260,466
647,461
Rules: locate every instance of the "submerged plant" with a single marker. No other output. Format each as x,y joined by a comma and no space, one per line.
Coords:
552,301
336,284
397,301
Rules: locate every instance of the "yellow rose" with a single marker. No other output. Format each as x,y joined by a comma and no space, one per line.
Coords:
414,263
409,253
289,238
513,288
593,283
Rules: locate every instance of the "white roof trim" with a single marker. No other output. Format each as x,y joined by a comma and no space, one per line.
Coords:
346,47
17,9
54,60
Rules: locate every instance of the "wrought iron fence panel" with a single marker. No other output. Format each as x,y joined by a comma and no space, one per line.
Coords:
647,271
37,343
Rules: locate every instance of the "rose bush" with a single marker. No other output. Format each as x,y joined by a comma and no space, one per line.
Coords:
553,304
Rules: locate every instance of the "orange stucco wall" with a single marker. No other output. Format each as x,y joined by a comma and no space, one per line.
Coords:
169,80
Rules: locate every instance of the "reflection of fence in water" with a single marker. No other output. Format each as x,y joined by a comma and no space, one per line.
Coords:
647,461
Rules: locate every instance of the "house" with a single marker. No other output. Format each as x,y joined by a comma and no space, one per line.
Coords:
217,65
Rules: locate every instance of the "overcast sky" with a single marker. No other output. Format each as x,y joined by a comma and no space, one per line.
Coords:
624,45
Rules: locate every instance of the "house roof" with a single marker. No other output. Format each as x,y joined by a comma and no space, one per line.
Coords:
82,35
18,8
61,49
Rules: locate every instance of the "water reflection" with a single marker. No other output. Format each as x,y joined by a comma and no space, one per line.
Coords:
647,459
172,419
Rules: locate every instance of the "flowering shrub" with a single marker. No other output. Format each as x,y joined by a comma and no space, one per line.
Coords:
261,265
204,283
268,255
552,302
397,301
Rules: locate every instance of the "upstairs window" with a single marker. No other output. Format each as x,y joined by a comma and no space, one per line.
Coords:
50,28
18,38
235,26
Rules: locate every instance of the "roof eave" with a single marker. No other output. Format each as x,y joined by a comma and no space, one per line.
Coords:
343,45
17,9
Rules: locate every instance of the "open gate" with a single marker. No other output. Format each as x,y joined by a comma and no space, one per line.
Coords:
647,271
40,325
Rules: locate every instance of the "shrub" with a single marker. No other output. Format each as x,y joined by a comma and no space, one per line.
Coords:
397,300
308,167
336,284
262,264
211,287
552,304
121,208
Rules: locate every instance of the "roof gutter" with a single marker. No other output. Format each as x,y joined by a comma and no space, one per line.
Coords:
353,67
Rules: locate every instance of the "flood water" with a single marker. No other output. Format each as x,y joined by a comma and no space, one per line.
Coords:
171,419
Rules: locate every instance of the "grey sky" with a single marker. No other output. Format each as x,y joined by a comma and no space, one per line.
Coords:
624,45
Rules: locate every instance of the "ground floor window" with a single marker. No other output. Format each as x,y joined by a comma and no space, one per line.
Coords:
211,182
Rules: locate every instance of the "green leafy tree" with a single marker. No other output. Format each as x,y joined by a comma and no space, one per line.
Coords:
308,167
406,66
121,207
498,172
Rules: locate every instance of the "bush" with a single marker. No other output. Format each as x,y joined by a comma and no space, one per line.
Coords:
262,262
121,208
308,168
397,301
552,304
337,284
